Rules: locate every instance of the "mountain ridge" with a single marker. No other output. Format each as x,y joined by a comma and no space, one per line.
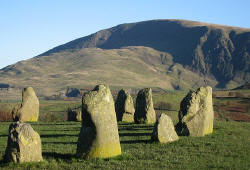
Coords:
194,43
210,54
179,21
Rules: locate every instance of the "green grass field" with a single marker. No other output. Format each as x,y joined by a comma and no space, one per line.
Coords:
227,148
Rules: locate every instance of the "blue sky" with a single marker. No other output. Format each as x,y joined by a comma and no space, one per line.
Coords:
31,27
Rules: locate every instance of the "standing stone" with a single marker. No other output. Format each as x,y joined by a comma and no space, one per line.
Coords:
196,113
74,115
73,92
144,112
124,107
29,109
24,144
99,136
164,131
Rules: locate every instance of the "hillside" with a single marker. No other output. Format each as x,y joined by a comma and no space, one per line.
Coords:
245,86
170,54
126,67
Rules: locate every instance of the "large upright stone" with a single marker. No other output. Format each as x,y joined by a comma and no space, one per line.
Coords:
124,107
73,92
74,115
164,131
144,112
24,144
99,136
29,109
196,113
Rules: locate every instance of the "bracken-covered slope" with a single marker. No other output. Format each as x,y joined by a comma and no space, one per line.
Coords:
159,53
127,67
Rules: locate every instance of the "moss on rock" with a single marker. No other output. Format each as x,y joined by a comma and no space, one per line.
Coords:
24,144
99,136
29,109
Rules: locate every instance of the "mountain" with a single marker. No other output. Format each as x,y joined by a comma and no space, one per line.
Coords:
170,54
245,86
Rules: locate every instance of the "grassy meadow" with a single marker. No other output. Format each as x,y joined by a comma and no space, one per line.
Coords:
227,148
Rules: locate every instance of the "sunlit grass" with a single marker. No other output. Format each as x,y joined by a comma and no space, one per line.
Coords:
227,148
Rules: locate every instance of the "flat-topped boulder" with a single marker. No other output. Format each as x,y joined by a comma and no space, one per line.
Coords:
24,144
196,113
164,130
144,112
29,109
99,136
124,107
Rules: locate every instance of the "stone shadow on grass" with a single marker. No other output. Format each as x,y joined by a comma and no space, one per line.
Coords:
135,134
2,163
57,135
64,130
134,129
53,124
124,123
65,143
55,155
136,141
138,126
